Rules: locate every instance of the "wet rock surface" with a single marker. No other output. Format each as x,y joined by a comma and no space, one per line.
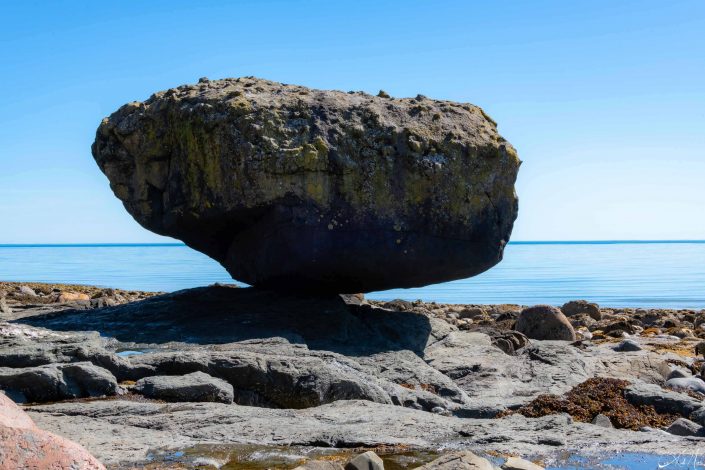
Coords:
292,188
344,372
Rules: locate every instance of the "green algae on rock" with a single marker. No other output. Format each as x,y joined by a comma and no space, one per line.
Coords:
294,188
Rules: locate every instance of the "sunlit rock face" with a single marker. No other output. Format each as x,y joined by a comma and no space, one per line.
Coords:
326,191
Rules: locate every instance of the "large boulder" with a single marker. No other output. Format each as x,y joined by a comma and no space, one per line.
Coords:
294,188
544,322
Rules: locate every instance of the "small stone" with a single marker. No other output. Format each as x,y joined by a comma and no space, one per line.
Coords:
544,322
439,410
554,441
367,461
663,401
602,421
679,373
700,349
353,299
583,334
516,463
319,465
690,383
26,290
66,297
472,312
459,461
628,345
582,307
685,427
4,308
618,329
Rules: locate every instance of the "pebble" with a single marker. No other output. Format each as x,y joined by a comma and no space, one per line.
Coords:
628,345
679,373
602,421
516,463
367,461
685,427
26,290
690,383
4,308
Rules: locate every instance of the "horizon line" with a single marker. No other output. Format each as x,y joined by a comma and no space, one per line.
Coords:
511,242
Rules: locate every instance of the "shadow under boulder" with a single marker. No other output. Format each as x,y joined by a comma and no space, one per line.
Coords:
225,314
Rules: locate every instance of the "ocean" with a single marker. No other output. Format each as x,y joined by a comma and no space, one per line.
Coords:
667,274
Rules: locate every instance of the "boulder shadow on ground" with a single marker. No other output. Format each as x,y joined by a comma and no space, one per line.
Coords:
226,314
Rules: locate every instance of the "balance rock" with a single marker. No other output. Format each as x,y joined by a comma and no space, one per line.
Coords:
295,188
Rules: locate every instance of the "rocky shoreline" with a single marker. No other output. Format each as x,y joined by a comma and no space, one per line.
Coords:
207,376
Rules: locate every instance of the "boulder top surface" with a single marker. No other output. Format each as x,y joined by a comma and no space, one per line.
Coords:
295,188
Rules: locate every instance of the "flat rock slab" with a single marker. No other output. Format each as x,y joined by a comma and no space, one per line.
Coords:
291,188
119,430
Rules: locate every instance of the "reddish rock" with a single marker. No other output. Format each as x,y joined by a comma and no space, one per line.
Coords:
24,445
65,297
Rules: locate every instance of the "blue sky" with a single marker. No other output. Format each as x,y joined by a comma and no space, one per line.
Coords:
604,100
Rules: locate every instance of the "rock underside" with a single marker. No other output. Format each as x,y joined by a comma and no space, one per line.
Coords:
214,371
301,189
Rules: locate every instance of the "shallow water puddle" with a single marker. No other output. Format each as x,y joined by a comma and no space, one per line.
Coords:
634,461
252,457
128,353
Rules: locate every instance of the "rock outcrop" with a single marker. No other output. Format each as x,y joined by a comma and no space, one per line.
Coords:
294,188
346,372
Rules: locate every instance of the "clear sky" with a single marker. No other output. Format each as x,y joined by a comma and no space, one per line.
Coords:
604,100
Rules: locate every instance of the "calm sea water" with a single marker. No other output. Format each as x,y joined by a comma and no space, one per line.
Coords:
638,274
